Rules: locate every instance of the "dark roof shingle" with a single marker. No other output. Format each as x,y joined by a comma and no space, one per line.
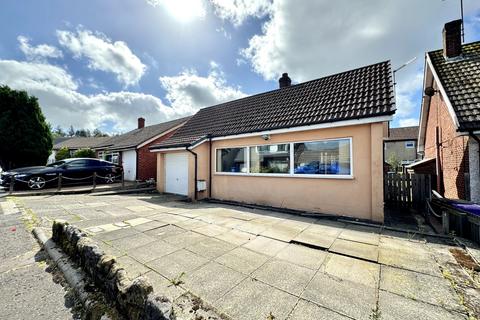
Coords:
404,133
360,93
461,80
80,142
136,137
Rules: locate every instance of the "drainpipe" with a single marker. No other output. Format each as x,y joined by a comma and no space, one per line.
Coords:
474,137
196,172
437,161
209,166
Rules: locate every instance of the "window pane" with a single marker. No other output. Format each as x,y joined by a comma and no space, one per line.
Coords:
274,158
231,160
323,157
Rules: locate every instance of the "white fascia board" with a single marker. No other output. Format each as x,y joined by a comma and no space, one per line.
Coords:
168,149
344,123
444,93
427,81
159,136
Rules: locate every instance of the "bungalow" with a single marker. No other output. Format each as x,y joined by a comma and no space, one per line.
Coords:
75,143
449,134
314,146
131,148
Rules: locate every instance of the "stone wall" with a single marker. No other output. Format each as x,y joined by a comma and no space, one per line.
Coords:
134,299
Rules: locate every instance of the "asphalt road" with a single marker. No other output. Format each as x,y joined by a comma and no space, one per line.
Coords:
30,288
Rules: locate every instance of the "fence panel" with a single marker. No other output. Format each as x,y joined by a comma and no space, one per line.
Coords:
406,190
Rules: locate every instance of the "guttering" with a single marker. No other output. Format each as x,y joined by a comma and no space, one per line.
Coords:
196,173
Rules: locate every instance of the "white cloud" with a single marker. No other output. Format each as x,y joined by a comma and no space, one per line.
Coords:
323,37
182,10
409,122
63,105
189,91
407,94
237,11
103,54
38,53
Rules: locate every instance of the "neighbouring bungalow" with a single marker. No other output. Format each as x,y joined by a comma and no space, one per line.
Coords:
315,146
75,143
131,149
450,117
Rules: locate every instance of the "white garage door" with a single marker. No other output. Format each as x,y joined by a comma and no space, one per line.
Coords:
129,162
176,173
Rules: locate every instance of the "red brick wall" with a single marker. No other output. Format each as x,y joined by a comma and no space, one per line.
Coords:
453,149
147,161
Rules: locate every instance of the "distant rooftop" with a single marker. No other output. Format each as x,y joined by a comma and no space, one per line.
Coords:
403,133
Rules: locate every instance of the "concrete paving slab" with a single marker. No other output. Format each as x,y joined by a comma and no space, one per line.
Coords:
166,231
283,231
109,227
252,227
242,260
284,275
354,270
255,300
419,262
212,281
229,223
350,298
191,224
134,268
137,221
267,246
116,234
318,235
236,237
127,243
163,286
362,234
420,287
174,264
152,251
302,256
393,307
185,239
139,208
355,249
308,311
149,226
211,248
211,230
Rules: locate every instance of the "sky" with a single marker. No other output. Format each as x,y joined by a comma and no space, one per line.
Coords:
104,63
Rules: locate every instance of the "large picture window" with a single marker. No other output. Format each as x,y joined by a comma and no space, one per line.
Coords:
274,158
329,157
232,160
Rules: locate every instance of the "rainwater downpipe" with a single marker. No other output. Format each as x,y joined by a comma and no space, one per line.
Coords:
474,137
196,173
209,166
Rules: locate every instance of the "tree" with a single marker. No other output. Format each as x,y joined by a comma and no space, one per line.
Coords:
63,153
58,132
25,138
84,153
71,131
98,133
394,162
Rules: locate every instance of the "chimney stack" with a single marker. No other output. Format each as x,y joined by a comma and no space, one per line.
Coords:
452,39
284,81
141,123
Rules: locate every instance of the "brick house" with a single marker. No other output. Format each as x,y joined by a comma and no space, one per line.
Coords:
131,149
450,117
401,144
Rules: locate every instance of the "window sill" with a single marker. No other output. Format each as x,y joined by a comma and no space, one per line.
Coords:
287,175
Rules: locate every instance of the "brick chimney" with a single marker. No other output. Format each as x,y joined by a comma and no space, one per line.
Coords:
284,81
452,39
141,123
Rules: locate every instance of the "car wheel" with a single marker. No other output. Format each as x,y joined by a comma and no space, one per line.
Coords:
36,183
109,178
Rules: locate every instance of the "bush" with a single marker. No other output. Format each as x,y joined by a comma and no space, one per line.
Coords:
63,153
84,153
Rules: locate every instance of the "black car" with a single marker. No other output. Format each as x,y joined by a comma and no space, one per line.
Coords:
73,171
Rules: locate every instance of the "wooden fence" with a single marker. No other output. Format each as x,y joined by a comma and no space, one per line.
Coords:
407,190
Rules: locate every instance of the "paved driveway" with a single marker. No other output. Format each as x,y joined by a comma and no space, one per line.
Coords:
250,264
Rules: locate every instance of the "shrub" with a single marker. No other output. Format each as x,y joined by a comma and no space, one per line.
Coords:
84,153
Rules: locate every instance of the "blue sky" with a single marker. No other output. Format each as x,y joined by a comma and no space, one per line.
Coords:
104,63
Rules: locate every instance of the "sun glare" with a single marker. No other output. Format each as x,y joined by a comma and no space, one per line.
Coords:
185,10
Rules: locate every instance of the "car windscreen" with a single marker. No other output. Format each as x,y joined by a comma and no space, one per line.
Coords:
56,164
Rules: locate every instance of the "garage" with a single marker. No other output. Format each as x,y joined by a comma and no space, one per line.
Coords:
176,173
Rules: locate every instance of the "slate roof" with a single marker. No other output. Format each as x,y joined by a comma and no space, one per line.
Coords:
138,136
80,142
404,133
360,93
461,80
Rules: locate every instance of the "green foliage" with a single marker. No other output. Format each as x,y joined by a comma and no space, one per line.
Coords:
394,162
25,138
63,153
84,153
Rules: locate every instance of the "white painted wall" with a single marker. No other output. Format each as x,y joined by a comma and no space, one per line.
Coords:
474,167
176,173
129,163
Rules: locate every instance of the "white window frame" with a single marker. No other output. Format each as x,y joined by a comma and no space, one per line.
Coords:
292,162
410,142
